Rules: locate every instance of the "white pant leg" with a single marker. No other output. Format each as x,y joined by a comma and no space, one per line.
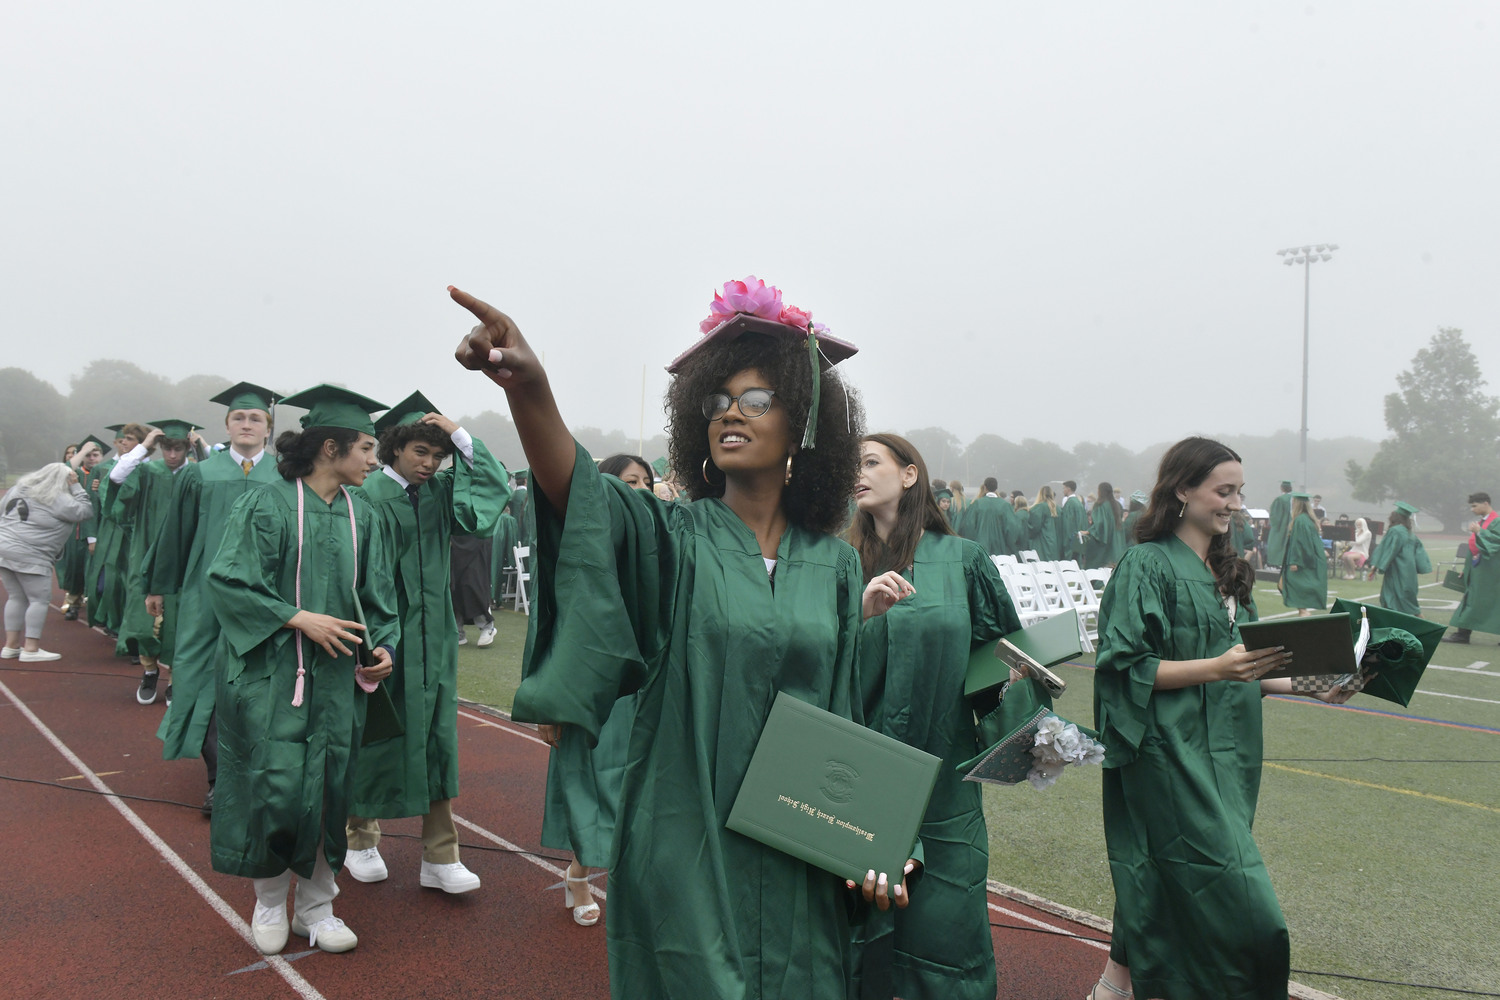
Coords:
314,899
271,892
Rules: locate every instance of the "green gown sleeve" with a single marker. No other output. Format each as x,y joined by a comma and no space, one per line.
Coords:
476,494
242,578
576,664
991,611
1134,623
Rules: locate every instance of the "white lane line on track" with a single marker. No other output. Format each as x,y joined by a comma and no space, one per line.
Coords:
517,849
495,725
1102,946
293,979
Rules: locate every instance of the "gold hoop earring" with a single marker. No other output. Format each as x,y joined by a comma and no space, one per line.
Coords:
1183,511
788,479
705,473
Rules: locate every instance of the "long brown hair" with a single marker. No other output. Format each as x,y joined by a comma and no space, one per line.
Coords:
916,512
1185,466
1108,501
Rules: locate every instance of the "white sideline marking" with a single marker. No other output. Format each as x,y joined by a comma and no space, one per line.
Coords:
1102,946
293,979
540,862
514,732
1460,697
1473,668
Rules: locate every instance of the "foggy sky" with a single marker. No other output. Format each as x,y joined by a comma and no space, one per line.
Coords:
1052,221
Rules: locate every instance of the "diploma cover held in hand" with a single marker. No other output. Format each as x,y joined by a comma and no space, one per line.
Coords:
1030,650
1319,644
833,793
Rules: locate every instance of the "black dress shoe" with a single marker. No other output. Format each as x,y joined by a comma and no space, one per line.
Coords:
208,802
70,615
1459,637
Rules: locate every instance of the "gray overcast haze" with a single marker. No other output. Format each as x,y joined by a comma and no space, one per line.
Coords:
1036,220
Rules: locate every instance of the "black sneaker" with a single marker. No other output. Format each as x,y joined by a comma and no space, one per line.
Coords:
146,693
70,615
208,802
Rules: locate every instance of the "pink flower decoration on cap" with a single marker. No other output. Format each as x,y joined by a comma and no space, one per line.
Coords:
751,296
792,316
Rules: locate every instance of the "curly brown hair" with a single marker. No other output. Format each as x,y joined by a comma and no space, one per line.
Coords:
393,439
823,477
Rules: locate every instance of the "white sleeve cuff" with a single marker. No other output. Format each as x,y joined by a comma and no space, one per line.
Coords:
464,443
126,465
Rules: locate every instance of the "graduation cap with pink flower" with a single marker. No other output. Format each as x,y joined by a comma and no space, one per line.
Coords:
752,306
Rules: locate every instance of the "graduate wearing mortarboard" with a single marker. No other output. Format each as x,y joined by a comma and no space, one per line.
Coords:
1281,524
1395,558
300,582
1304,571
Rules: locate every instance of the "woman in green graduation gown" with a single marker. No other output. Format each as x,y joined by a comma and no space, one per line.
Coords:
1395,559
1041,526
708,609
299,567
75,553
1132,515
1105,543
1177,698
1304,572
583,782
913,658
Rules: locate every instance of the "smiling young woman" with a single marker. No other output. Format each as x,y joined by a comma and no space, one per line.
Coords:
708,609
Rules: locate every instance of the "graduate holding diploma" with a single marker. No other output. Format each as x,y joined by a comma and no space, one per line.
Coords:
708,609
931,598
1177,701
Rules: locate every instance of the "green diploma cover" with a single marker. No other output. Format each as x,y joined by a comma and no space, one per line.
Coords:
833,793
1319,645
1031,650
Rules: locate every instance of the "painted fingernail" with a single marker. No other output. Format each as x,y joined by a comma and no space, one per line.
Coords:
898,891
869,874
496,356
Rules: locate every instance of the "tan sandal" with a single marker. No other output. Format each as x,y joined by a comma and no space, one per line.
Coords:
1111,987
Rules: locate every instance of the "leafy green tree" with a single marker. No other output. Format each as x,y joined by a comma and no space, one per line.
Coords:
1445,431
939,448
32,421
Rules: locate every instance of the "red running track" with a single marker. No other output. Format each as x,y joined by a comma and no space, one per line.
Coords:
115,897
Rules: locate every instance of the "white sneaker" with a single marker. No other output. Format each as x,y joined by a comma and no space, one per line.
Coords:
366,865
9,652
454,878
463,640
330,934
38,656
268,927
487,636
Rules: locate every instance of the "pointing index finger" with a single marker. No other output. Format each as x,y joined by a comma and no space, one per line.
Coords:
482,310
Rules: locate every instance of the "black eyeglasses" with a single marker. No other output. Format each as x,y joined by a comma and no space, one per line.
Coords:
753,403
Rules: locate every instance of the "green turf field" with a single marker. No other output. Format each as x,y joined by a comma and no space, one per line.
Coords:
1386,869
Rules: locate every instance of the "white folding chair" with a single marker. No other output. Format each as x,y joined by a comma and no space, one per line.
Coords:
1030,556
1066,564
521,553
1049,585
1005,560
1086,603
1099,578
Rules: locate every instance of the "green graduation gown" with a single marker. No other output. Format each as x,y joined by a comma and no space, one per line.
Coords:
1127,527
913,660
404,775
109,561
673,599
1195,914
1104,546
1396,559
202,495
502,552
75,556
985,522
285,772
1480,607
1041,533
141,504
1308,586
956,514
1281,522
1071,519
1241,535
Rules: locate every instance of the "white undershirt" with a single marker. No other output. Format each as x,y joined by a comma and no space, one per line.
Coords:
770,565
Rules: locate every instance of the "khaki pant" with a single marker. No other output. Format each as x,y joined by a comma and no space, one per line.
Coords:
439,833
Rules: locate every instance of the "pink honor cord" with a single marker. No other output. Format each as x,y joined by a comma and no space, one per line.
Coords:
354,536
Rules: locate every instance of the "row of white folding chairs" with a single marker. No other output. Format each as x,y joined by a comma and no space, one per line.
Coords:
1041,590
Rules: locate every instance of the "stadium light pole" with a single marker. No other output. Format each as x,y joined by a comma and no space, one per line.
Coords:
1307,256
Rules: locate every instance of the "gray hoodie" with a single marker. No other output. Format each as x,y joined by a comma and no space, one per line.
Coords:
32,535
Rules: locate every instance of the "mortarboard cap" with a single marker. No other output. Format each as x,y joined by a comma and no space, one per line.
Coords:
246,396
1140,497
117,428
1010,731
408,411
1286,484
174,428
943,493
334,406
752,306
1405,507
521,475
1404,644
660,465
1300,496
84,443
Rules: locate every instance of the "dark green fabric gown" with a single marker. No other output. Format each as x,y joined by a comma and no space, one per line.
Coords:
674,600
985,522
1041,533
1195,914
1281,523
141,504
75,556
1104,545
1242,536
1395,558
285,772
1480,608
1071,519
913,660
107,563
1127,527
202,495
502,552
404,775
1308,587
